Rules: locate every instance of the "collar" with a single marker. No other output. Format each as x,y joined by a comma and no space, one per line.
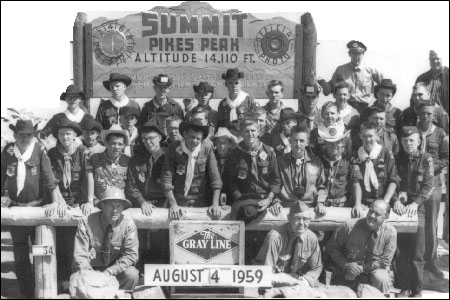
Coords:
331,162
74,117
157,154
415,155
104,224
305,158
358,68
120,104
116,161
277,110
346,111
241,146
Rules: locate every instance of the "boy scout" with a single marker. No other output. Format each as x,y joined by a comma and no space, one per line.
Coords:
204,93
362,249
432,143
280,140
235,100
274,106
108,110
30,177
67,164
106,241
302,175
190,169
349,115
374,174
416,171
108,168
337,167
387,136
143,188
129,118
293,249
260,115
161,103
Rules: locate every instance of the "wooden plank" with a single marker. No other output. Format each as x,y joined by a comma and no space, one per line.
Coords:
78,52
45,266
309,49
298,69
33,216
88,75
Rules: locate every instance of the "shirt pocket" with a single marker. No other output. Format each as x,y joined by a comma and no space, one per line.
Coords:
76,171
200,163
263,168
116,248
433,146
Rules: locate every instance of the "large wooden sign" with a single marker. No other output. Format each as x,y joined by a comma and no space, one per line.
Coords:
191,43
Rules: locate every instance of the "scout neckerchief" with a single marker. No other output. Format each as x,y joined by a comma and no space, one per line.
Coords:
298,169
370,176
192,155
119,104
21,170
286,143
233,104
253,154
67,168
424,135
75,117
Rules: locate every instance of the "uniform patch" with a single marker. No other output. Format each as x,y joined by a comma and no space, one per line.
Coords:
242,174
34,171
263,155
181,169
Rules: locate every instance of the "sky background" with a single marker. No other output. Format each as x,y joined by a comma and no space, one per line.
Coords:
36,55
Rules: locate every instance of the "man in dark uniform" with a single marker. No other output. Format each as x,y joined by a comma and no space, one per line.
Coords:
161,103
432,143
307,106
416,171
254,181
387,136
190,171
30,177
362,78
108,110
274,106
374,174
143,188
236,99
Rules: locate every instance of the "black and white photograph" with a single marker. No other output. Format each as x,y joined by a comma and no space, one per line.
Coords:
224,149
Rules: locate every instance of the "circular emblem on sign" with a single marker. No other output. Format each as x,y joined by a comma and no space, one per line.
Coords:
333,131
113,43
275,44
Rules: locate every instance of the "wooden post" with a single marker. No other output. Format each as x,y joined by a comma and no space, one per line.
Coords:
309,49
45,266
78,52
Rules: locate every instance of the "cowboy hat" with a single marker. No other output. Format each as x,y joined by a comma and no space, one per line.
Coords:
115,128
224,132
23,126
90,124
72,90
203,87
386,84
66,123
233,74
162,79
196,125
114,193
116,77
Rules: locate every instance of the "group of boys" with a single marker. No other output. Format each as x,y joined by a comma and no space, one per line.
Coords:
349,153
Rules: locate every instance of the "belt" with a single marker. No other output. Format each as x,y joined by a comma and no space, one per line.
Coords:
337,202
369,200
28,204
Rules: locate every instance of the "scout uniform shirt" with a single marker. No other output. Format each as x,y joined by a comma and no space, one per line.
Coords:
337,181
389,140
293,254
273,118
206,175
386,172
107,173
354,241
224,111
434,144
416,172
253,172
301,179
409,117
392,115
151,110
69,171
39,177
90,244
280,143
108,114
144,179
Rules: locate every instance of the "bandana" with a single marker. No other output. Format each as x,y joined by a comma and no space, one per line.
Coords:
233,104
21,170
370,176
191,165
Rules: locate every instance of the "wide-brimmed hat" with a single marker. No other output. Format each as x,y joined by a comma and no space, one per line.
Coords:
130,111
115,128
288,114
233,74
356,46
72,90
247,207
223,132
23,126
162,79
196,125
66,123
90,124
116,77
332,133
386,84
203,87
114,193
151,127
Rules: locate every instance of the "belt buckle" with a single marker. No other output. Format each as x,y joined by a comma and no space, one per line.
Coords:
336,202
190,203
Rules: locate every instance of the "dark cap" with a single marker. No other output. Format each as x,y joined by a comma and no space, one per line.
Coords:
298,207
90,124
162,79
426,103
408,130
116,77
356,46
203,87
386,84
233,74
66,123
130,111
23,126
72,90
196,125
151,127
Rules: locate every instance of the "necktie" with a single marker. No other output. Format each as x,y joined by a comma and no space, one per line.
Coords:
296,258
254,168
107,245
368,258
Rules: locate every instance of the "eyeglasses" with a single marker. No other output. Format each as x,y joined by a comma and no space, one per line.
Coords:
150,138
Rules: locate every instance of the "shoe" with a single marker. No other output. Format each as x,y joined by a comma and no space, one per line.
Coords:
403,294
431,266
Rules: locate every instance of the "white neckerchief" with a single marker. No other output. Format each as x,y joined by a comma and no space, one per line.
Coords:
424,135
74,117
286,143
346,111
120,104
235,103
21,170
191,165
370,176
